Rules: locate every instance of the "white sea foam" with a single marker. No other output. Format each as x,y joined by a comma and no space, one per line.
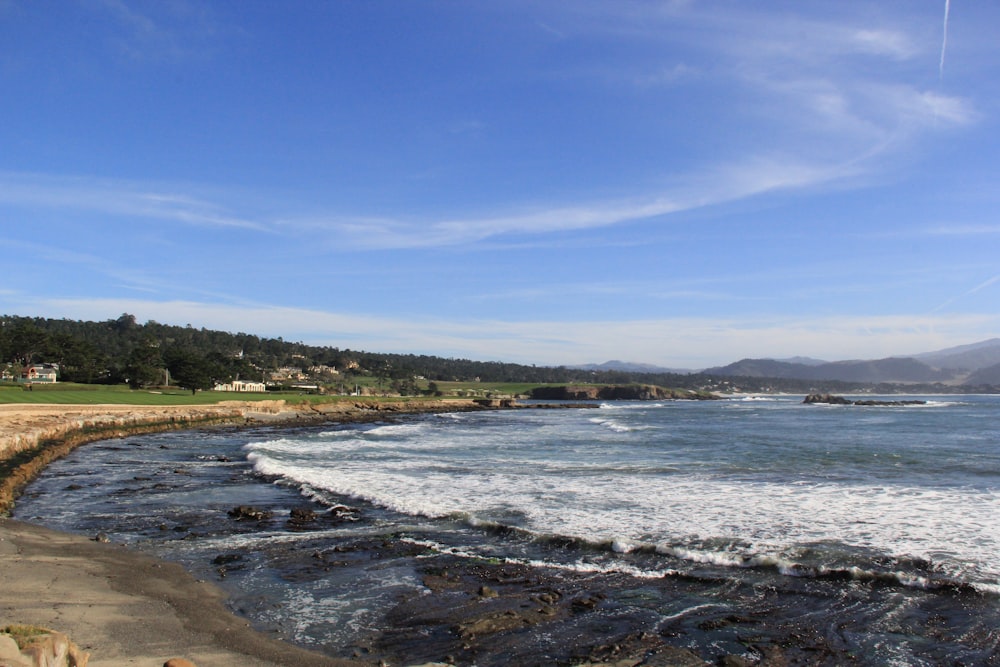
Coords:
558,479
613,425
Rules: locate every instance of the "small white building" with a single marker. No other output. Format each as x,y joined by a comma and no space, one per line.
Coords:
39,373
241,386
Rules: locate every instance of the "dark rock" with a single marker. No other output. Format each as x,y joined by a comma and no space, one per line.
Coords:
840,400
301,516
225,559
249,513
826,398
587,602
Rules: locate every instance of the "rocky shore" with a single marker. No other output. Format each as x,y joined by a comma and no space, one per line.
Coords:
118,606
831,399
34,435
125,608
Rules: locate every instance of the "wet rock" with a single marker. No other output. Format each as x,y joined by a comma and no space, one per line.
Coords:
825,398
249,513
102,537
840,400
494,622
225,559
587,602
548,597
301,517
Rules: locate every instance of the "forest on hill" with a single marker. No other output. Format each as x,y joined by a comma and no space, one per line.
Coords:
123,351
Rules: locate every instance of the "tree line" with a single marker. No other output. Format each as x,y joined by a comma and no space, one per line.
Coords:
124,351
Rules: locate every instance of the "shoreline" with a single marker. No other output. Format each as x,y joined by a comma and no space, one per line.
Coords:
32,435
123,607
119,605
463,611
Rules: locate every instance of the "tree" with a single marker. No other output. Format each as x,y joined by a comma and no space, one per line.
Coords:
190,370
78,360
26,343
144,365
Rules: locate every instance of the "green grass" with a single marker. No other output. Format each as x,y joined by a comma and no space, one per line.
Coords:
91,394
84,394
482,388
73,394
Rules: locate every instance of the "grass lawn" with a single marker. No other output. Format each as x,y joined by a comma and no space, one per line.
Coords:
91,394
74,394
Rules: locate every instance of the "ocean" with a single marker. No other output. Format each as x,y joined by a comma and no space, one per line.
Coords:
717,526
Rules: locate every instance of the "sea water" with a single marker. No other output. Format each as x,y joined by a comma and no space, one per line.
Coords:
765,490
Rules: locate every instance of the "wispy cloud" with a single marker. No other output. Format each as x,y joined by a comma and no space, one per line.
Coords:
157,31
117,198
818,123
724,184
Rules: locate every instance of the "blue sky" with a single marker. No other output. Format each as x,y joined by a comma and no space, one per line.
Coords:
683,183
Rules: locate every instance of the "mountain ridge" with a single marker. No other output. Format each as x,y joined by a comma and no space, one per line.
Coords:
973,364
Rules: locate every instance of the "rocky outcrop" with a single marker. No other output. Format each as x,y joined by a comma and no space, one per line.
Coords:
249,513
829,399
628,392
840,400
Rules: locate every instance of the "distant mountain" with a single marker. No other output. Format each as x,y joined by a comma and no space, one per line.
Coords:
763,368
893,369
631,367
967,357
975,364
988,375
807,361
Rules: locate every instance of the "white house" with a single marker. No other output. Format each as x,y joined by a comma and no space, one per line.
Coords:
241,385
39,373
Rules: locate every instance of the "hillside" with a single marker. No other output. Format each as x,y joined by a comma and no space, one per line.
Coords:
976,356
902,370
985,376
124,351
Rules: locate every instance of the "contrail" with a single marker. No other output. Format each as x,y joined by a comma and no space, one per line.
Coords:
992,281
944,38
